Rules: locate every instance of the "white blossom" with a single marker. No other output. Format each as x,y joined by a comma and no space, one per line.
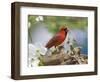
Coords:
34,52
42,50
39,18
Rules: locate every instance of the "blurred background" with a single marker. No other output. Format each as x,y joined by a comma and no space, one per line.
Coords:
42,28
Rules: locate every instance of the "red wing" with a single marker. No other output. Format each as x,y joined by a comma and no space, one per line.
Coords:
53,41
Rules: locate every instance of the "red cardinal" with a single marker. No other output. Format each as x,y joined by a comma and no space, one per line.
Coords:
58,38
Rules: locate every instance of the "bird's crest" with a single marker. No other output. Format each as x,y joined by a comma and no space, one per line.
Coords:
64,27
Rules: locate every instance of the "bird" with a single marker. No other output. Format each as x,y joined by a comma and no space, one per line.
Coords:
58,38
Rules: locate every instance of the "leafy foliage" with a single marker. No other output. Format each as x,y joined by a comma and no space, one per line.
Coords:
54,23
